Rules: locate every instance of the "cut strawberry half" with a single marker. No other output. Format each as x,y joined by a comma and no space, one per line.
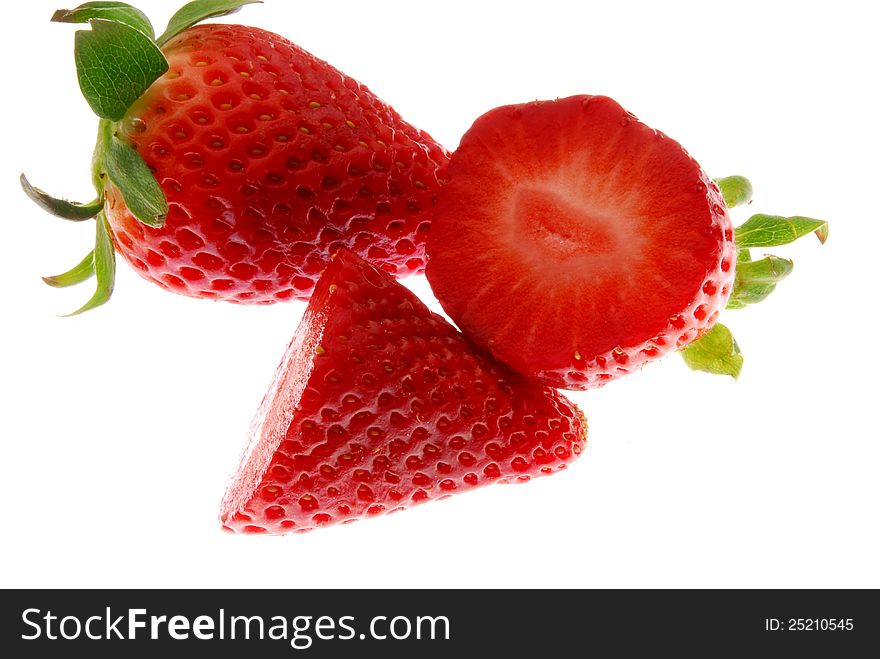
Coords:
576,243
380,404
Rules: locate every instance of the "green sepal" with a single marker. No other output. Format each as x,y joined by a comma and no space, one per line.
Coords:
76,275
736,190
199,10
755,280
774,230
104,259
115,64
68,210
118,12
132,177
715,352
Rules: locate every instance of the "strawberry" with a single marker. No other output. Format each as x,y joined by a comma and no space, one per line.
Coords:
269,160
380,404
575,243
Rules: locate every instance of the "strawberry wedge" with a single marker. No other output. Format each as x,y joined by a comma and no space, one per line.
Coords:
380,404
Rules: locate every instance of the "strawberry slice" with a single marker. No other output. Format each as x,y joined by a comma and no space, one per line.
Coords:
576,243
380,404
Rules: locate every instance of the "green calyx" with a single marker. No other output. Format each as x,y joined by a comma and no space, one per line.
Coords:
200,10
115,12
716,351
117,60
736,190
127,171
68,210
110,82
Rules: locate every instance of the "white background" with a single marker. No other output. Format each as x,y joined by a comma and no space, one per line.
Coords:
120,427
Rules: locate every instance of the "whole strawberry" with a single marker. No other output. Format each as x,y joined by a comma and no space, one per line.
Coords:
269,160
379,405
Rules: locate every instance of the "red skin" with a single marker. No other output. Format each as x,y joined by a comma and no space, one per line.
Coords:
576,244
380,405
257,204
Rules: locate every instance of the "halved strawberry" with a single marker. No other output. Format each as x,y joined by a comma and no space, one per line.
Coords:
380,404
576,243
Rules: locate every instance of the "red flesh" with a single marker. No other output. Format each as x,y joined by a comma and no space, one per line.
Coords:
576,243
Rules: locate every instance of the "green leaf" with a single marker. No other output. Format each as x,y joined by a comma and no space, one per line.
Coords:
131,175
76,275
105,266
118,12
115,64
68,210
715,352
773,230
769,270
736,190
194,12
755,280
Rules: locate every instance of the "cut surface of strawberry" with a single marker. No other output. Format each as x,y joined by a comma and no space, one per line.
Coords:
576,243
380,404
